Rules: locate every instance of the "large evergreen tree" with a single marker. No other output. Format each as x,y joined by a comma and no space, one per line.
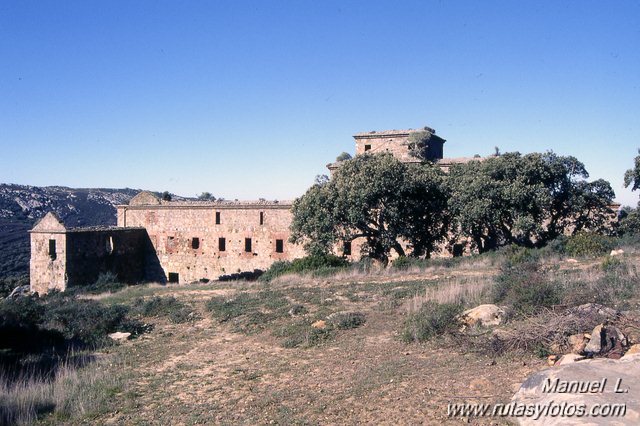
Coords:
379,199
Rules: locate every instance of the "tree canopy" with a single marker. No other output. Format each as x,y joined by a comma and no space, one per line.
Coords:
526,199
632,176
380,199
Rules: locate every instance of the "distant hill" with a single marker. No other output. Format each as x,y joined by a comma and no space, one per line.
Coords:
21,206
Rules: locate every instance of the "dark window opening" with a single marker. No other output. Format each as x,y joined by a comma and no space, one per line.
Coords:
195,243
367,147
261,218
217,218
222,244
52,249
458,250
346,249
174,277
247,245
279,246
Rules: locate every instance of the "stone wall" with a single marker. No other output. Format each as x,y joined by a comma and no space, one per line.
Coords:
190,245
93,252
47,270
395,142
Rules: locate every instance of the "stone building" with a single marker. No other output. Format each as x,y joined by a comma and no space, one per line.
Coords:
62,257
186,241
203,240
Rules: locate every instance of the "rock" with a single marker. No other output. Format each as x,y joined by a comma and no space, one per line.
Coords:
577,343
569,359
594,310
20,291
484,315
616,252
572,261
319,324
538,389
633,350
605,338
119,335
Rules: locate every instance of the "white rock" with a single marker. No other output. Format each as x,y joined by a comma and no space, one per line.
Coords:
119,335
484,315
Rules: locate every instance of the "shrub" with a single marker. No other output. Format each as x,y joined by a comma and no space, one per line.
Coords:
85,323
346,320
433,319
304,265
250,312
169,307
301,334
7,284
589,245
107,282
525,288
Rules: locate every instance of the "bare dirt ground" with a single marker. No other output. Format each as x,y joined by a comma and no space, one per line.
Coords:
205,372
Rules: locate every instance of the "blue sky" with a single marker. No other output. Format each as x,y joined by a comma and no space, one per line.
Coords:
253,99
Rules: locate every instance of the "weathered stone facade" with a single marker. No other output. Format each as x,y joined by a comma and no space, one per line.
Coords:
61,257
203,240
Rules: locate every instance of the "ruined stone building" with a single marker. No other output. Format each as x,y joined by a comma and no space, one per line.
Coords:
186,241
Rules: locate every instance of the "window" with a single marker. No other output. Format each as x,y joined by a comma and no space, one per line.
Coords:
261,218
247,245
195,243
279,246
52,249
222,244
217,218
367,147
174,277
346,249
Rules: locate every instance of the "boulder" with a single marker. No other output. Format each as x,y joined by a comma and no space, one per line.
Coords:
569,359
319,324
618,252
119,335
594,310
484,315
577,343
561,386
633,350
604,339
20,291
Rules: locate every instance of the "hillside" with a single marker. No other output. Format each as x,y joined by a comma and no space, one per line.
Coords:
21,206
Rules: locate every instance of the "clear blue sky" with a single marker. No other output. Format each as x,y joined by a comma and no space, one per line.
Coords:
252,99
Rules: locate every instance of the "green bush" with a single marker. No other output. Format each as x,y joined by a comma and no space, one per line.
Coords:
107,282
346,320
170,307
305,265
433,319
589,245
524,287
31,324
7,284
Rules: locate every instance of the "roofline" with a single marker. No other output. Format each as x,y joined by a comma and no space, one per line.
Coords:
88,229
285,205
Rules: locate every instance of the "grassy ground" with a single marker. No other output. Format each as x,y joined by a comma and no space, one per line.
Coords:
249,355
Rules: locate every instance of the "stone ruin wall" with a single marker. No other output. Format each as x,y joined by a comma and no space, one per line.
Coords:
48,271
62,258
186,237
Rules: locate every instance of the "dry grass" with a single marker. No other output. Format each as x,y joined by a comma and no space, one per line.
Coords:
72,393
458,290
